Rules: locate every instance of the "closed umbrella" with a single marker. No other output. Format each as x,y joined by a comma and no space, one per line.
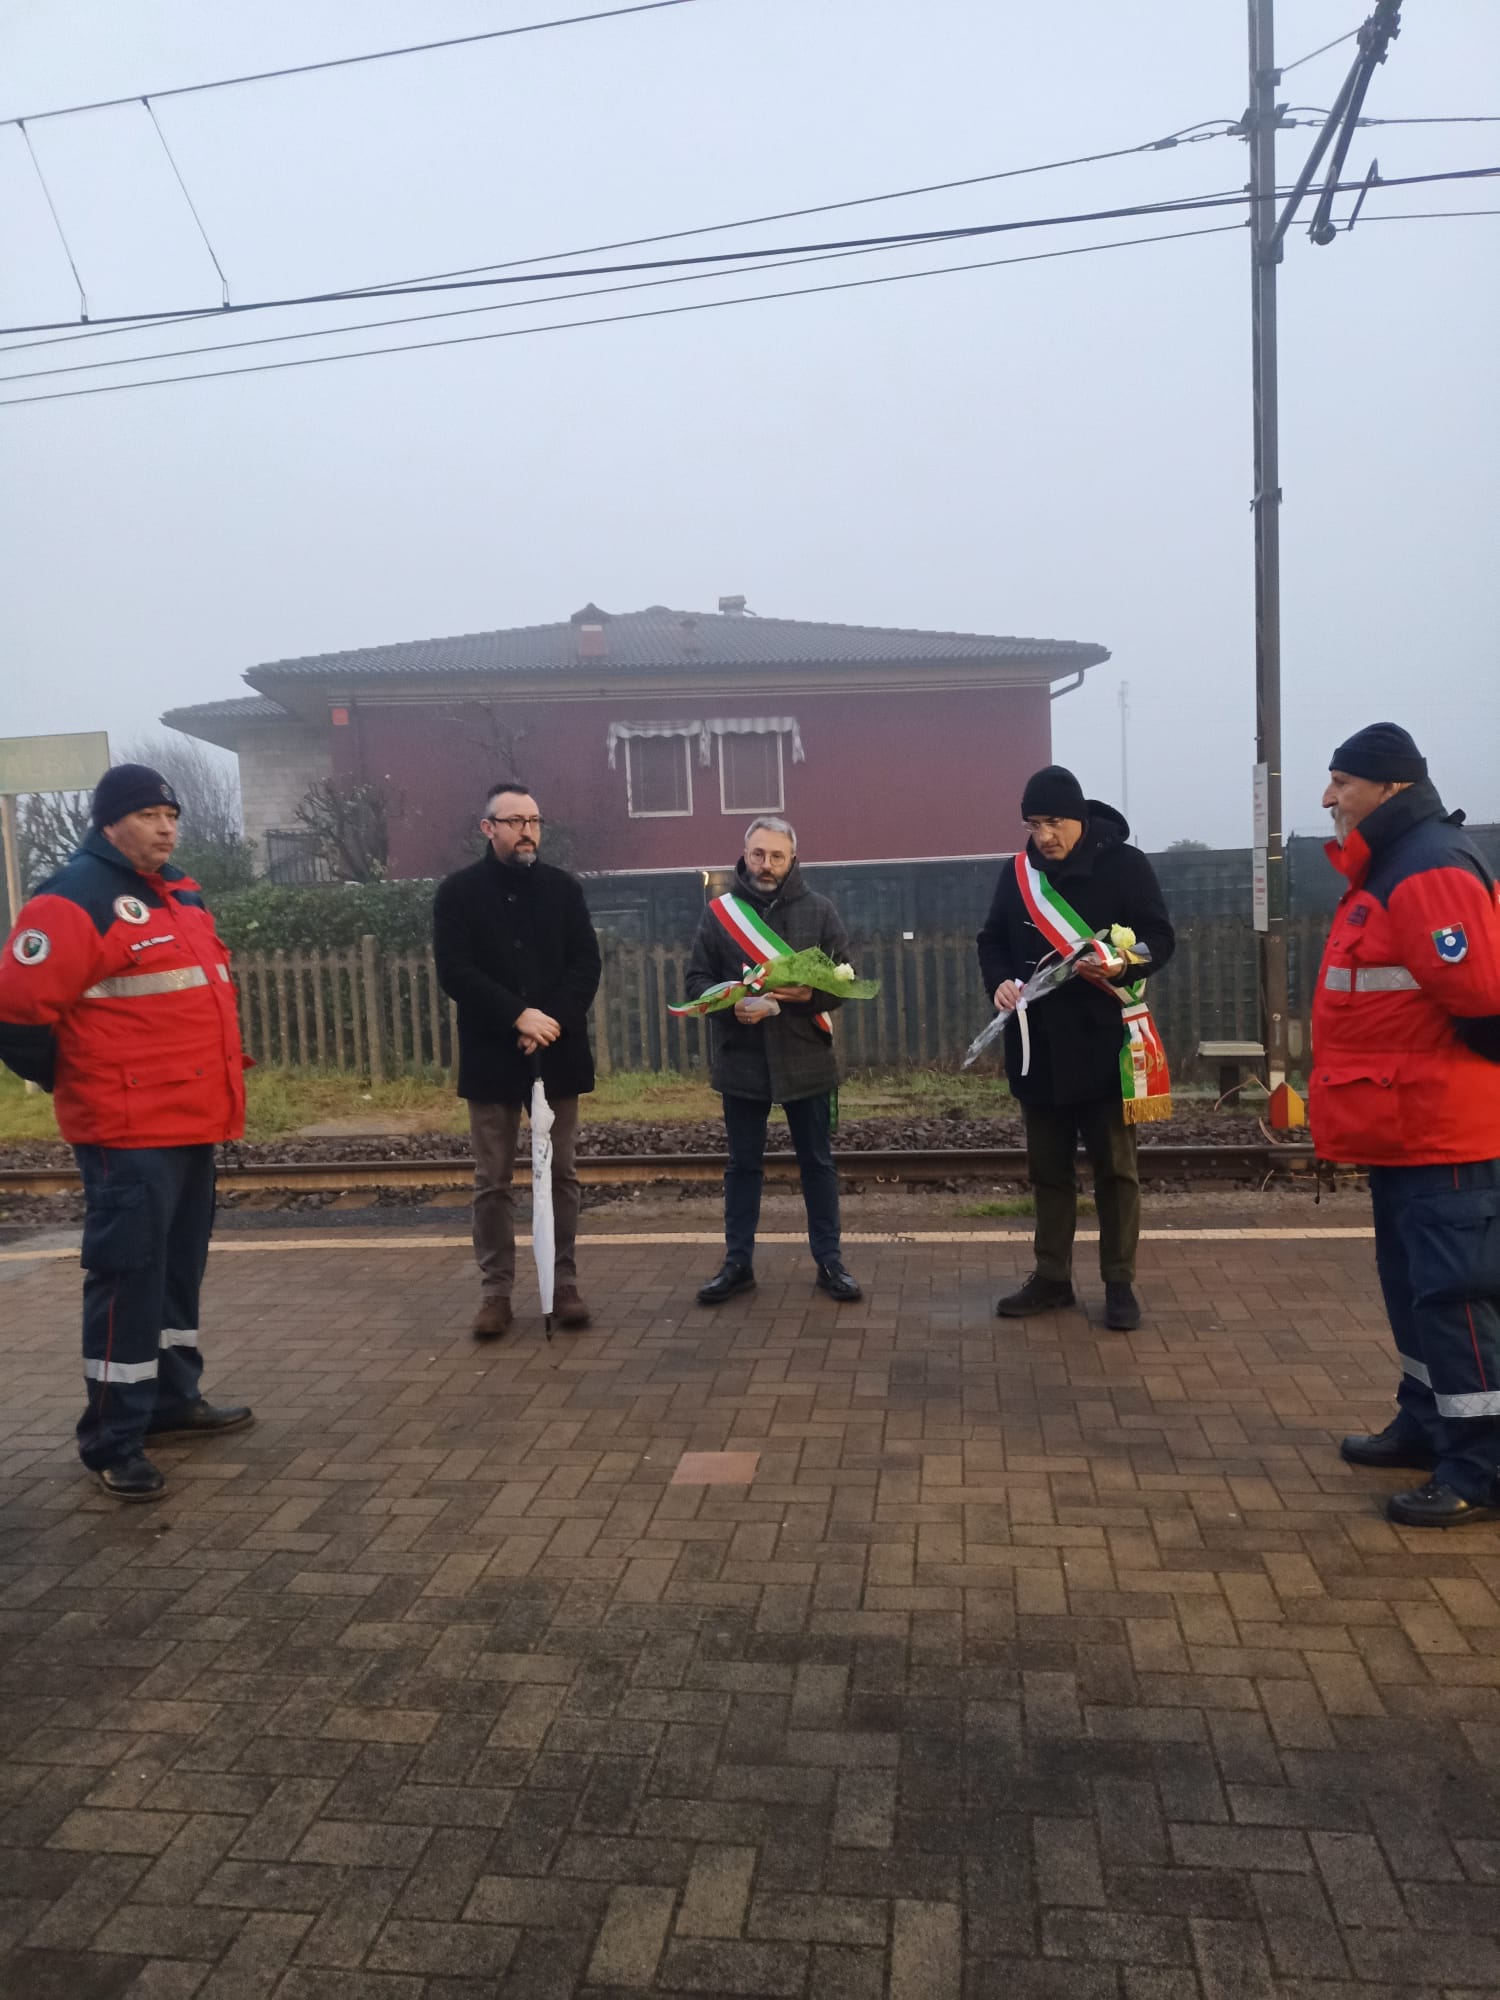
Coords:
543,1228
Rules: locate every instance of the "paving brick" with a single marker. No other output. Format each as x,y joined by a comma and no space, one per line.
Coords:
717,1893
631,1937
1358,1882
725,1968
352,1918
480,1951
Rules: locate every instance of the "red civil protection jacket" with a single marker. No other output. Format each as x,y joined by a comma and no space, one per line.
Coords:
115,995
1406,1017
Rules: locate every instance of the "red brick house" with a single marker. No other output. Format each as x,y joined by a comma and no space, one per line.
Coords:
653,736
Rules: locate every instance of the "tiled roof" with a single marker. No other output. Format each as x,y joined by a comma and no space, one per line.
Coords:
658,639
244,708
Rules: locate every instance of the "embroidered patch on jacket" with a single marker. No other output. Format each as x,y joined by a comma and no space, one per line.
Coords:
31,947
1360,914
131,910
1452,944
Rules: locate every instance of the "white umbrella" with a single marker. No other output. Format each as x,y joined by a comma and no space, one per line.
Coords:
543,1229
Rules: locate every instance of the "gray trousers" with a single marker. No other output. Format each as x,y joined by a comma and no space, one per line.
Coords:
494,1130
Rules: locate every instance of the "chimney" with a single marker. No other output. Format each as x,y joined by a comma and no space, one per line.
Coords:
732,607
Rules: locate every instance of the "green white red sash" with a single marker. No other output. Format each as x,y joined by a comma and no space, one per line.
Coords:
1145,1085
759,945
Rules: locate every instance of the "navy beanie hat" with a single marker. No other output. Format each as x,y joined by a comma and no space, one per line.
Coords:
130,788
1053,793
1383,753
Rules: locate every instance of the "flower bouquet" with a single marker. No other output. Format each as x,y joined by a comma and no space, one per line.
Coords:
1113,948
812,968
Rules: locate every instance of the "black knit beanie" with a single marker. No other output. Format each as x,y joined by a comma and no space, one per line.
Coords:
130,788
1383,753
1053,793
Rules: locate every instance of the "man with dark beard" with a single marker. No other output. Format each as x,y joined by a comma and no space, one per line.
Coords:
767,1051
516,949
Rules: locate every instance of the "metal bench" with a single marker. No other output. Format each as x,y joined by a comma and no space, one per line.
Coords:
1231,1058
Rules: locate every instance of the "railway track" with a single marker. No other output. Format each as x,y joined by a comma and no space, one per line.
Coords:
1254,1161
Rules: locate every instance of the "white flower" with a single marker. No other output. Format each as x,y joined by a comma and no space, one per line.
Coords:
843,972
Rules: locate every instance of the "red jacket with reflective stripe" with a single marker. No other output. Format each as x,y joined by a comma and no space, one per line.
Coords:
1406,1017
115,995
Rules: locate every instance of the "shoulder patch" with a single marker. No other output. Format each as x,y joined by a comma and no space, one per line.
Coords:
131,910
31,947
1452,944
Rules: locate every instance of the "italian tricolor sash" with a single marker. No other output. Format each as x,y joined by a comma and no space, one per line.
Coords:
759,944
1145,1086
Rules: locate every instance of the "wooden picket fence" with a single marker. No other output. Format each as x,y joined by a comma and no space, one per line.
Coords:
383,1014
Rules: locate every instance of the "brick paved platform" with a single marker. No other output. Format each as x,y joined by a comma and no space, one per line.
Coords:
1031,1661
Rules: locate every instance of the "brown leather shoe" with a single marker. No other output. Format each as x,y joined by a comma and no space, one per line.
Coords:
493,1320
568,1308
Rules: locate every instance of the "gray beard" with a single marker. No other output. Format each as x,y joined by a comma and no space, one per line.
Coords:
522,860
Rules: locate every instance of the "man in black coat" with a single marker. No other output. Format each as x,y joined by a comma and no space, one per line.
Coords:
516,949
1072,1085
767,1051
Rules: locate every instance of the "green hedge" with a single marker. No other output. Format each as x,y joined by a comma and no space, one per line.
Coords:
266,918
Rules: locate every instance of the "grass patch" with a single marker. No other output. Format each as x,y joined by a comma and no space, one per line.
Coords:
279,1102
1020,1204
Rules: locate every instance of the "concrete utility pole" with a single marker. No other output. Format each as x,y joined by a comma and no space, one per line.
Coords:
1261,119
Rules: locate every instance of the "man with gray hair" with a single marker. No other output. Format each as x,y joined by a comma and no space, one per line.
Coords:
769,1051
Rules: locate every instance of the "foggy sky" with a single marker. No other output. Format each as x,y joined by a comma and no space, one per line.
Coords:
1058,449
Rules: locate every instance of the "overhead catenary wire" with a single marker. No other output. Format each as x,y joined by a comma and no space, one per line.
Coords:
1186,205
150,110
348,62
1313,54
62,234
613,319
1185,135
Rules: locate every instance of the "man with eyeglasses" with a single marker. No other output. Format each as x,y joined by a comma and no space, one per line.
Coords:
767,1051
1077,875
516,949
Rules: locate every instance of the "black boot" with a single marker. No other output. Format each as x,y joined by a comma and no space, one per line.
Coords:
133,1478
1037,1295
1435,1506
837,1282
1394,1448
201,1420
734,1277
1122,1309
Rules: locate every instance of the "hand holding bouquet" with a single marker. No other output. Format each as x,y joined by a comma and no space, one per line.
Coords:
812,969
1100,959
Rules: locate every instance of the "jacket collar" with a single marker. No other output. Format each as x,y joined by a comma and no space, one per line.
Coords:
792,889
1381,829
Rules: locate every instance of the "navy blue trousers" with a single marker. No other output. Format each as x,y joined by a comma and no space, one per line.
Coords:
148,1216
810,1121
1437,1248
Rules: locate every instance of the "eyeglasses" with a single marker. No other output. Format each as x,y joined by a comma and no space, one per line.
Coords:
516,823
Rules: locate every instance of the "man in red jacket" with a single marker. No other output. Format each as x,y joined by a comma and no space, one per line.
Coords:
1406,1082
115,995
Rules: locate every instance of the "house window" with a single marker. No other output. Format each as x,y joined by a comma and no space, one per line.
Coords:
658,776
751,778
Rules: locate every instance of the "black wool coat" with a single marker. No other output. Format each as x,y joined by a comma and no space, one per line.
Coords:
1076,1032
789,1056
506,939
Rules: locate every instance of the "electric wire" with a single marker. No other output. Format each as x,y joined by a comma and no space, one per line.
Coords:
62,234
612,319
348,62
1130,211
1287,68
150,110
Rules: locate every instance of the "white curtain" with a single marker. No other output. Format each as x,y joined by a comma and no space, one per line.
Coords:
751,725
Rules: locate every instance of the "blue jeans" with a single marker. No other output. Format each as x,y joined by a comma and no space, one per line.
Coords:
809,1120
148,1215
1437,1249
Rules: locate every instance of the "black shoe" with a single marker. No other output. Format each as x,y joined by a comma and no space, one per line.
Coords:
201,1420
1122,1309
734,1277
134,1478
1037,1295
1388,1449
837,1282
1434,1506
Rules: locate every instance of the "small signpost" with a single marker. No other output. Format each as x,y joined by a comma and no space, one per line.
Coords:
28,764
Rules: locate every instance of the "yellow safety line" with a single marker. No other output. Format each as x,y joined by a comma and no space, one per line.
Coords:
917,1238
